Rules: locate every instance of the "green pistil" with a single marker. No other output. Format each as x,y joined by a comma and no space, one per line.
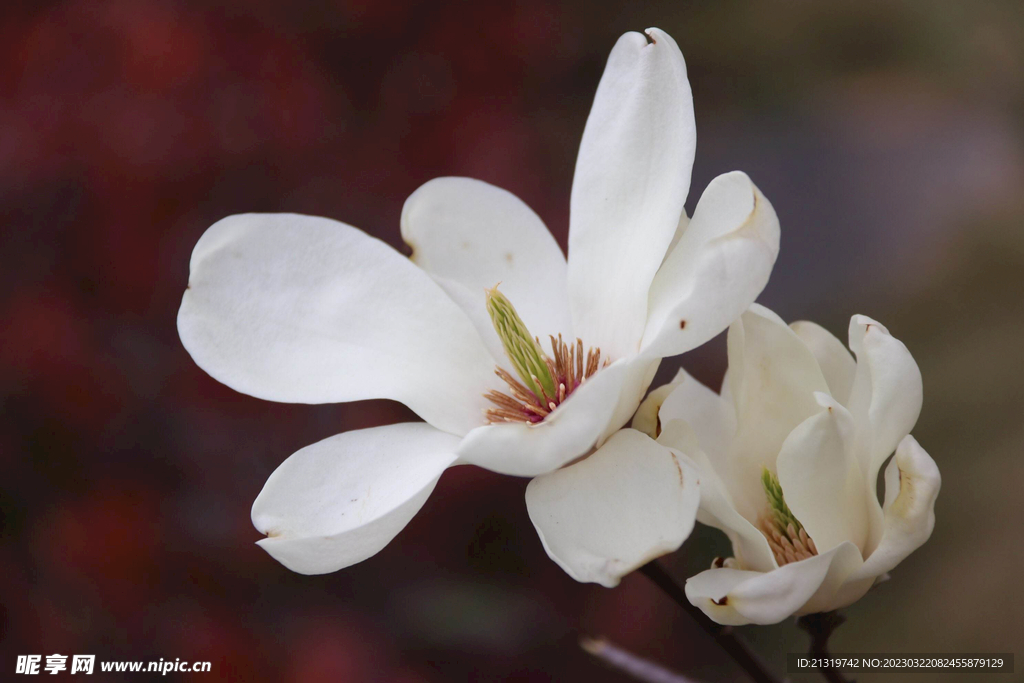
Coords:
781,514
521,347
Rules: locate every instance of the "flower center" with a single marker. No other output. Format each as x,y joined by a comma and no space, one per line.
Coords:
545,381
786,535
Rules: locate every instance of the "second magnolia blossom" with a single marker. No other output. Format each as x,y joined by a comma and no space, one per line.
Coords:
789,455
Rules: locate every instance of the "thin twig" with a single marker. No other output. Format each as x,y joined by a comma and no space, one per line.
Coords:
820,627
726,638
639,668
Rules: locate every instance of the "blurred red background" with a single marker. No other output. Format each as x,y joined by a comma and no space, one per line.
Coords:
887,137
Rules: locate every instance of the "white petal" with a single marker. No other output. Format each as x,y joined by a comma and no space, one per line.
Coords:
835,361
470,235
772,377
839,588
632,176
343,499
912,483
821,477
646,418
626,504
771,372
710,416
849,591
735,597
684,222
638,375
887,391
564,435
717,509
709,590
720,265
309,310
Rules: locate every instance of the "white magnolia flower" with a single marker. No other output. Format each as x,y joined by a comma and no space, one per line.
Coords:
309,310
789,456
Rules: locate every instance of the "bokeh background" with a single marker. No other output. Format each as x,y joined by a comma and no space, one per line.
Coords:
888,136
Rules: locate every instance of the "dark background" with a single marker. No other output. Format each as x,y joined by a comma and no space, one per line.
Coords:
888,136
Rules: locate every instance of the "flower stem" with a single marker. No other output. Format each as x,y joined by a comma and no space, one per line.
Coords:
725,636
820,627
627,662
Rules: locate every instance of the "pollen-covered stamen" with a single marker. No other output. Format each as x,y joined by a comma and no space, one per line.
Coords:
568,371
544,381
521,347
786,536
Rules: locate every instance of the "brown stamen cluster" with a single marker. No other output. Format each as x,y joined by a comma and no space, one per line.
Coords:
569,367
788,544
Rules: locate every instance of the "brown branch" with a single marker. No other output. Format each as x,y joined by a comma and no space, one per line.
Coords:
820,627
639,668
725,636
